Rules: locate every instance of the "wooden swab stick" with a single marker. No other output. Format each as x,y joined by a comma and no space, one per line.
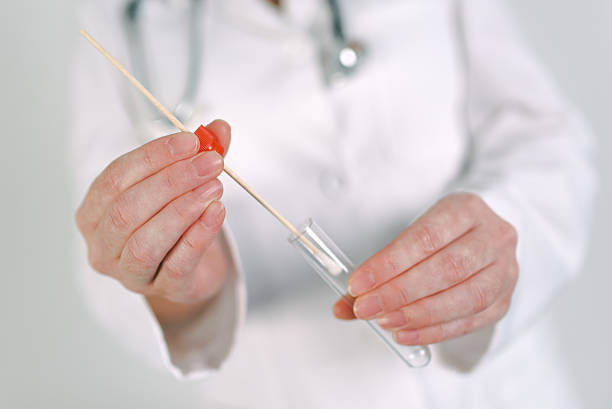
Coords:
182,127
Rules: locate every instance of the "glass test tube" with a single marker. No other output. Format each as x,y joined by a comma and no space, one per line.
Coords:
335,269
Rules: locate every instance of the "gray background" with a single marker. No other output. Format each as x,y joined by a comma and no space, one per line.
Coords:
52,356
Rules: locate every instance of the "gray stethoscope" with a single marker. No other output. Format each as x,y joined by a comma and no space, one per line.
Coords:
339,58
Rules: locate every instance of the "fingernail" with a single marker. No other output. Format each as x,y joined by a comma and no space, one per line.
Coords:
394,319
208,163
407,337
182,144
368,306
361,283
209,191
223,121
214,214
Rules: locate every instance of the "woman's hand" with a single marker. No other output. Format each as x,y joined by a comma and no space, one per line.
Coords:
451,272
151,218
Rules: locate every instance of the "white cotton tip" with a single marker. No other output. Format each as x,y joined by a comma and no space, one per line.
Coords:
330,265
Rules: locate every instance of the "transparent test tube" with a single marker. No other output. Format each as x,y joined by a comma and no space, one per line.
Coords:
335,269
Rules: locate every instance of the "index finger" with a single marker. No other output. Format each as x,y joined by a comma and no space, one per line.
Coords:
150,158
142,162
436,229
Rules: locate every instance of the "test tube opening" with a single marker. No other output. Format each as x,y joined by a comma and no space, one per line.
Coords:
327,256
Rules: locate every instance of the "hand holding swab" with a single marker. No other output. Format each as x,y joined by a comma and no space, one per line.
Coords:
182,127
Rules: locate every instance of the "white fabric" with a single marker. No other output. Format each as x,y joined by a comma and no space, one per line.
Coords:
448,99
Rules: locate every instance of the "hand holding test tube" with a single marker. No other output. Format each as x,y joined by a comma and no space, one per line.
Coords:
335,268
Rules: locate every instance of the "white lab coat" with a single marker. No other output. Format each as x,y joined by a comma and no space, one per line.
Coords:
448,99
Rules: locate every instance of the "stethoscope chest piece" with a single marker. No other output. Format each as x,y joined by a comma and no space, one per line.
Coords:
340,60
339,57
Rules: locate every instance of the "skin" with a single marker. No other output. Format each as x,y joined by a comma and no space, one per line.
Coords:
151,221
452,272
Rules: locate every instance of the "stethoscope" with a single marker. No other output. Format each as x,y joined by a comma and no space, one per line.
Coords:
339,58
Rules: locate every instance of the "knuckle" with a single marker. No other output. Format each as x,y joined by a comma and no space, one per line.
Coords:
172,271
96,261
191,243
473,201
180,209
173,179
140,254
415,338
391,263
399,296
110,179
118,215
466,200
455,267
513,271
472,209
479,297
436,334
170,180
503,307
147,157
133,286
507,233
467,326
421,315
81,219
429,317
428,238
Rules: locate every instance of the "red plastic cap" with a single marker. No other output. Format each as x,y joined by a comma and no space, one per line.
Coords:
208,141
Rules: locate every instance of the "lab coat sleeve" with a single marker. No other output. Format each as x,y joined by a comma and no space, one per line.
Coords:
530,161
103,131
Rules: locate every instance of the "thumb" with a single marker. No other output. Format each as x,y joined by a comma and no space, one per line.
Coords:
343,309
222,131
